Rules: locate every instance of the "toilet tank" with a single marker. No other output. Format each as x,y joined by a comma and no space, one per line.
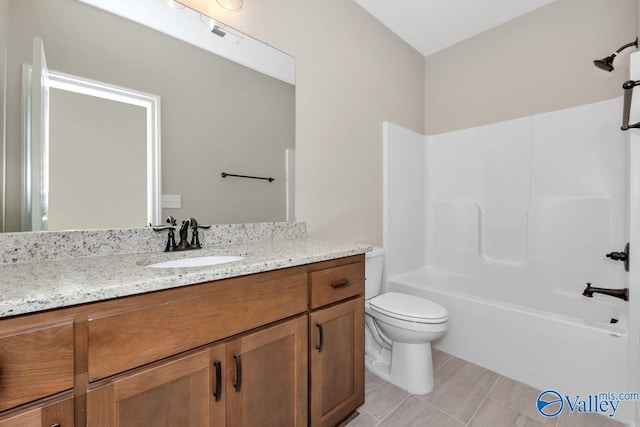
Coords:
374,261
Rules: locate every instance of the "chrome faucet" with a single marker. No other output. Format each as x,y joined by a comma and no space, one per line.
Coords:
618,293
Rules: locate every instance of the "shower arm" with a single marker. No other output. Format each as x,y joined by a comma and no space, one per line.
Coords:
633,43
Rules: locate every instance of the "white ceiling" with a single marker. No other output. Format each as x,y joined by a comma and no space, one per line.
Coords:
432,25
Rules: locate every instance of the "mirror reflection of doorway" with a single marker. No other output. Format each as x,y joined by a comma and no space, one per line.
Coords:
87,139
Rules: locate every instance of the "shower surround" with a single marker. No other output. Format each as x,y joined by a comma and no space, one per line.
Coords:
504,225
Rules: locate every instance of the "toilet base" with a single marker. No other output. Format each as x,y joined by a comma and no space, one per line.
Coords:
412,367
407,366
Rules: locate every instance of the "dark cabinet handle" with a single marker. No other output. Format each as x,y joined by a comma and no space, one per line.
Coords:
342,284
217,393
321,332
238,384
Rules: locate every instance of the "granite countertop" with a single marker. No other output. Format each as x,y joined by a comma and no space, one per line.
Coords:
36,286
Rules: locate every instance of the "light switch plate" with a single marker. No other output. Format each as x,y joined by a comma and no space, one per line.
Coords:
171,201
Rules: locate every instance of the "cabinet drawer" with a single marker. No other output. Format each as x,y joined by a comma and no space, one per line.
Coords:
49,413
335,284
35,363
122,341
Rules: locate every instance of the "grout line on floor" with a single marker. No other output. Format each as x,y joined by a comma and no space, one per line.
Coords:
369,413
394,408
444,363
485,399
443,411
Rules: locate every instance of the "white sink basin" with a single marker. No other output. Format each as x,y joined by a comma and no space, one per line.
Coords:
196,261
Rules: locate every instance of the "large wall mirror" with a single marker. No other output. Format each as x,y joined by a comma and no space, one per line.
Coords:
215,115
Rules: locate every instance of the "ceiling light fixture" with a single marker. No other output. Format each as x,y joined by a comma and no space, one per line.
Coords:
230,4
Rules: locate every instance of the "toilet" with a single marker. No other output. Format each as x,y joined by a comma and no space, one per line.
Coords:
399,329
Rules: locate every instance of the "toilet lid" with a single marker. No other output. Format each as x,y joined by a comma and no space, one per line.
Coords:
408,307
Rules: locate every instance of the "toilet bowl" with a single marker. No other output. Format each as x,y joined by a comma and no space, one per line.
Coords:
399,329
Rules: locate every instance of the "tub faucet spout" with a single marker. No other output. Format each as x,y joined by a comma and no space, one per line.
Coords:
618,293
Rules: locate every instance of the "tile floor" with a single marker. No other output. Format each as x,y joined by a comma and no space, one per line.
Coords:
465,395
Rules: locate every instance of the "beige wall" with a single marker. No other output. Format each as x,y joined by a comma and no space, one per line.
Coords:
216,115
539,62
351,74
97,171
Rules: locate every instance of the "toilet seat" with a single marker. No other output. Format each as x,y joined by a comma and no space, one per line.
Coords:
408,307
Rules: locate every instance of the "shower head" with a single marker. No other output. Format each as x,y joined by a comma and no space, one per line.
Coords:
607,63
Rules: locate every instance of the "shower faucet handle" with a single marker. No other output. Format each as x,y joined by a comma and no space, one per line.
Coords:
621,256
617,256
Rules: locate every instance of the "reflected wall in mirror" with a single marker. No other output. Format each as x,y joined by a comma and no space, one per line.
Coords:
216,116
122,189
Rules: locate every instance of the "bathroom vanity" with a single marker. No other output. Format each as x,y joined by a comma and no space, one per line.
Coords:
269,340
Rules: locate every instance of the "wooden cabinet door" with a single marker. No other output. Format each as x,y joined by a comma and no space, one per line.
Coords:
337,362
54,414
180,392
267,376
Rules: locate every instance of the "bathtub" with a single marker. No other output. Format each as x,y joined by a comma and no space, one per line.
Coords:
546,338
